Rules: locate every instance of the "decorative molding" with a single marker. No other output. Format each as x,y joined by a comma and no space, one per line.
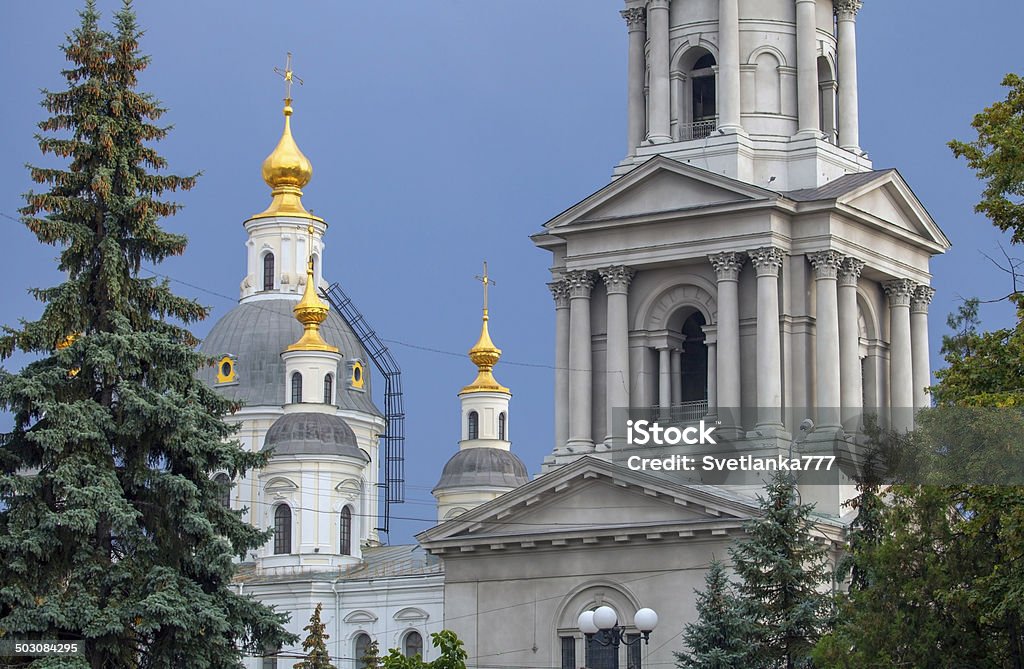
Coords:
411,613
728,265
899,292
826,264
849,271
617,278
636,17
579,283
560,292
847,8
921,298
767,260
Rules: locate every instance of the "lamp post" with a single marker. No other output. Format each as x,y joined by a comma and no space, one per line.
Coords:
602,626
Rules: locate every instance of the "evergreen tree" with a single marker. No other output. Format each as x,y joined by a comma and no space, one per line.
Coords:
315,645
111,530
784,579
720,637
371,658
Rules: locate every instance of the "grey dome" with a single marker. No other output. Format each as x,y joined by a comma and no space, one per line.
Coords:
312,434
256,333
483,467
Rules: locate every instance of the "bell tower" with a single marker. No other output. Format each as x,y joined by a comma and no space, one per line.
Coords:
764,93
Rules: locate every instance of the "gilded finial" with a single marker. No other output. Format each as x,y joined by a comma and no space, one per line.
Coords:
485,354
311,311
286,170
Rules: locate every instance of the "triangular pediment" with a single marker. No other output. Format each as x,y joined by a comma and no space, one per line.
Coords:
889,202
659,186
590,497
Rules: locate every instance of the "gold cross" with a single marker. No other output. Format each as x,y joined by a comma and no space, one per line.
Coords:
486,280
289,76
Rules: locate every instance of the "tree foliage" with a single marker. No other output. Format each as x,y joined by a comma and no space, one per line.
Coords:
315,644
452,654
110,526
720,637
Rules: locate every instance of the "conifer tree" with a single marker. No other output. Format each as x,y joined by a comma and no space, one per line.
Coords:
720,637
111,530
315,644
371,658
784,579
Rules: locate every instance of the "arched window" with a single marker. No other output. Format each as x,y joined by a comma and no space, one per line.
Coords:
328,389
268,271
703,87
474,426
827,89
696,109
413,644
501,426
296,387
282,530
359,649
224,482
346,531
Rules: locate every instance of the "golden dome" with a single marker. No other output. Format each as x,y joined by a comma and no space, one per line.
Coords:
286,170
485,356
311,311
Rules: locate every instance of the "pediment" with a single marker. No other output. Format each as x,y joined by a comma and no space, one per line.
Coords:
592,496
659,186
360,616
890,202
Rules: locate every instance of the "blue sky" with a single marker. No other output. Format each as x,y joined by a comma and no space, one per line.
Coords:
443,133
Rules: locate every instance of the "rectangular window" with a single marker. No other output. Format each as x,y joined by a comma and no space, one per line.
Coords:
568,652
600,656
633,652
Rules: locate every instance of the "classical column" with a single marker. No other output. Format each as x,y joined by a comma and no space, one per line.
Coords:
616,280
727,270
919,302
767,262
851,391
901,369
579,283
636,22
560,292
849,115
807,66
657,31
664,378
711,340
675,394
729,65
826,337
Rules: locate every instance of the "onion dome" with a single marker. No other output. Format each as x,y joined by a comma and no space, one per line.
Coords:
287,171
311,311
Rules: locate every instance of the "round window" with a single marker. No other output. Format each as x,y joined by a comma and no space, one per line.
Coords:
357,374
225,368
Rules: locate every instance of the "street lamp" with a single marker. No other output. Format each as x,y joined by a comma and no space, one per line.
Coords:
602,626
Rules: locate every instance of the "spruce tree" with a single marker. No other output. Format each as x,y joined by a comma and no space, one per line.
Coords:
111,530
371,658
784,579
315,644
720,637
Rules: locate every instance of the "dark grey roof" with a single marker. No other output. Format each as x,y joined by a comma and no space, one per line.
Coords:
256,333
483,467
312,434
837,187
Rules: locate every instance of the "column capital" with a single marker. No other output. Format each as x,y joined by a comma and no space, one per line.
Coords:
899,292
847,9
560,291
578,283
767,260
728,265
636,18
921,298
617,278
826,264
849,271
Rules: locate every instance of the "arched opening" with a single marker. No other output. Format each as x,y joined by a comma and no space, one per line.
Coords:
329,389
360,646
767,85
501,426
697,108
296,387
827,89
268,271
224,490
282,530
473,425
345,527
412,645
693,381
